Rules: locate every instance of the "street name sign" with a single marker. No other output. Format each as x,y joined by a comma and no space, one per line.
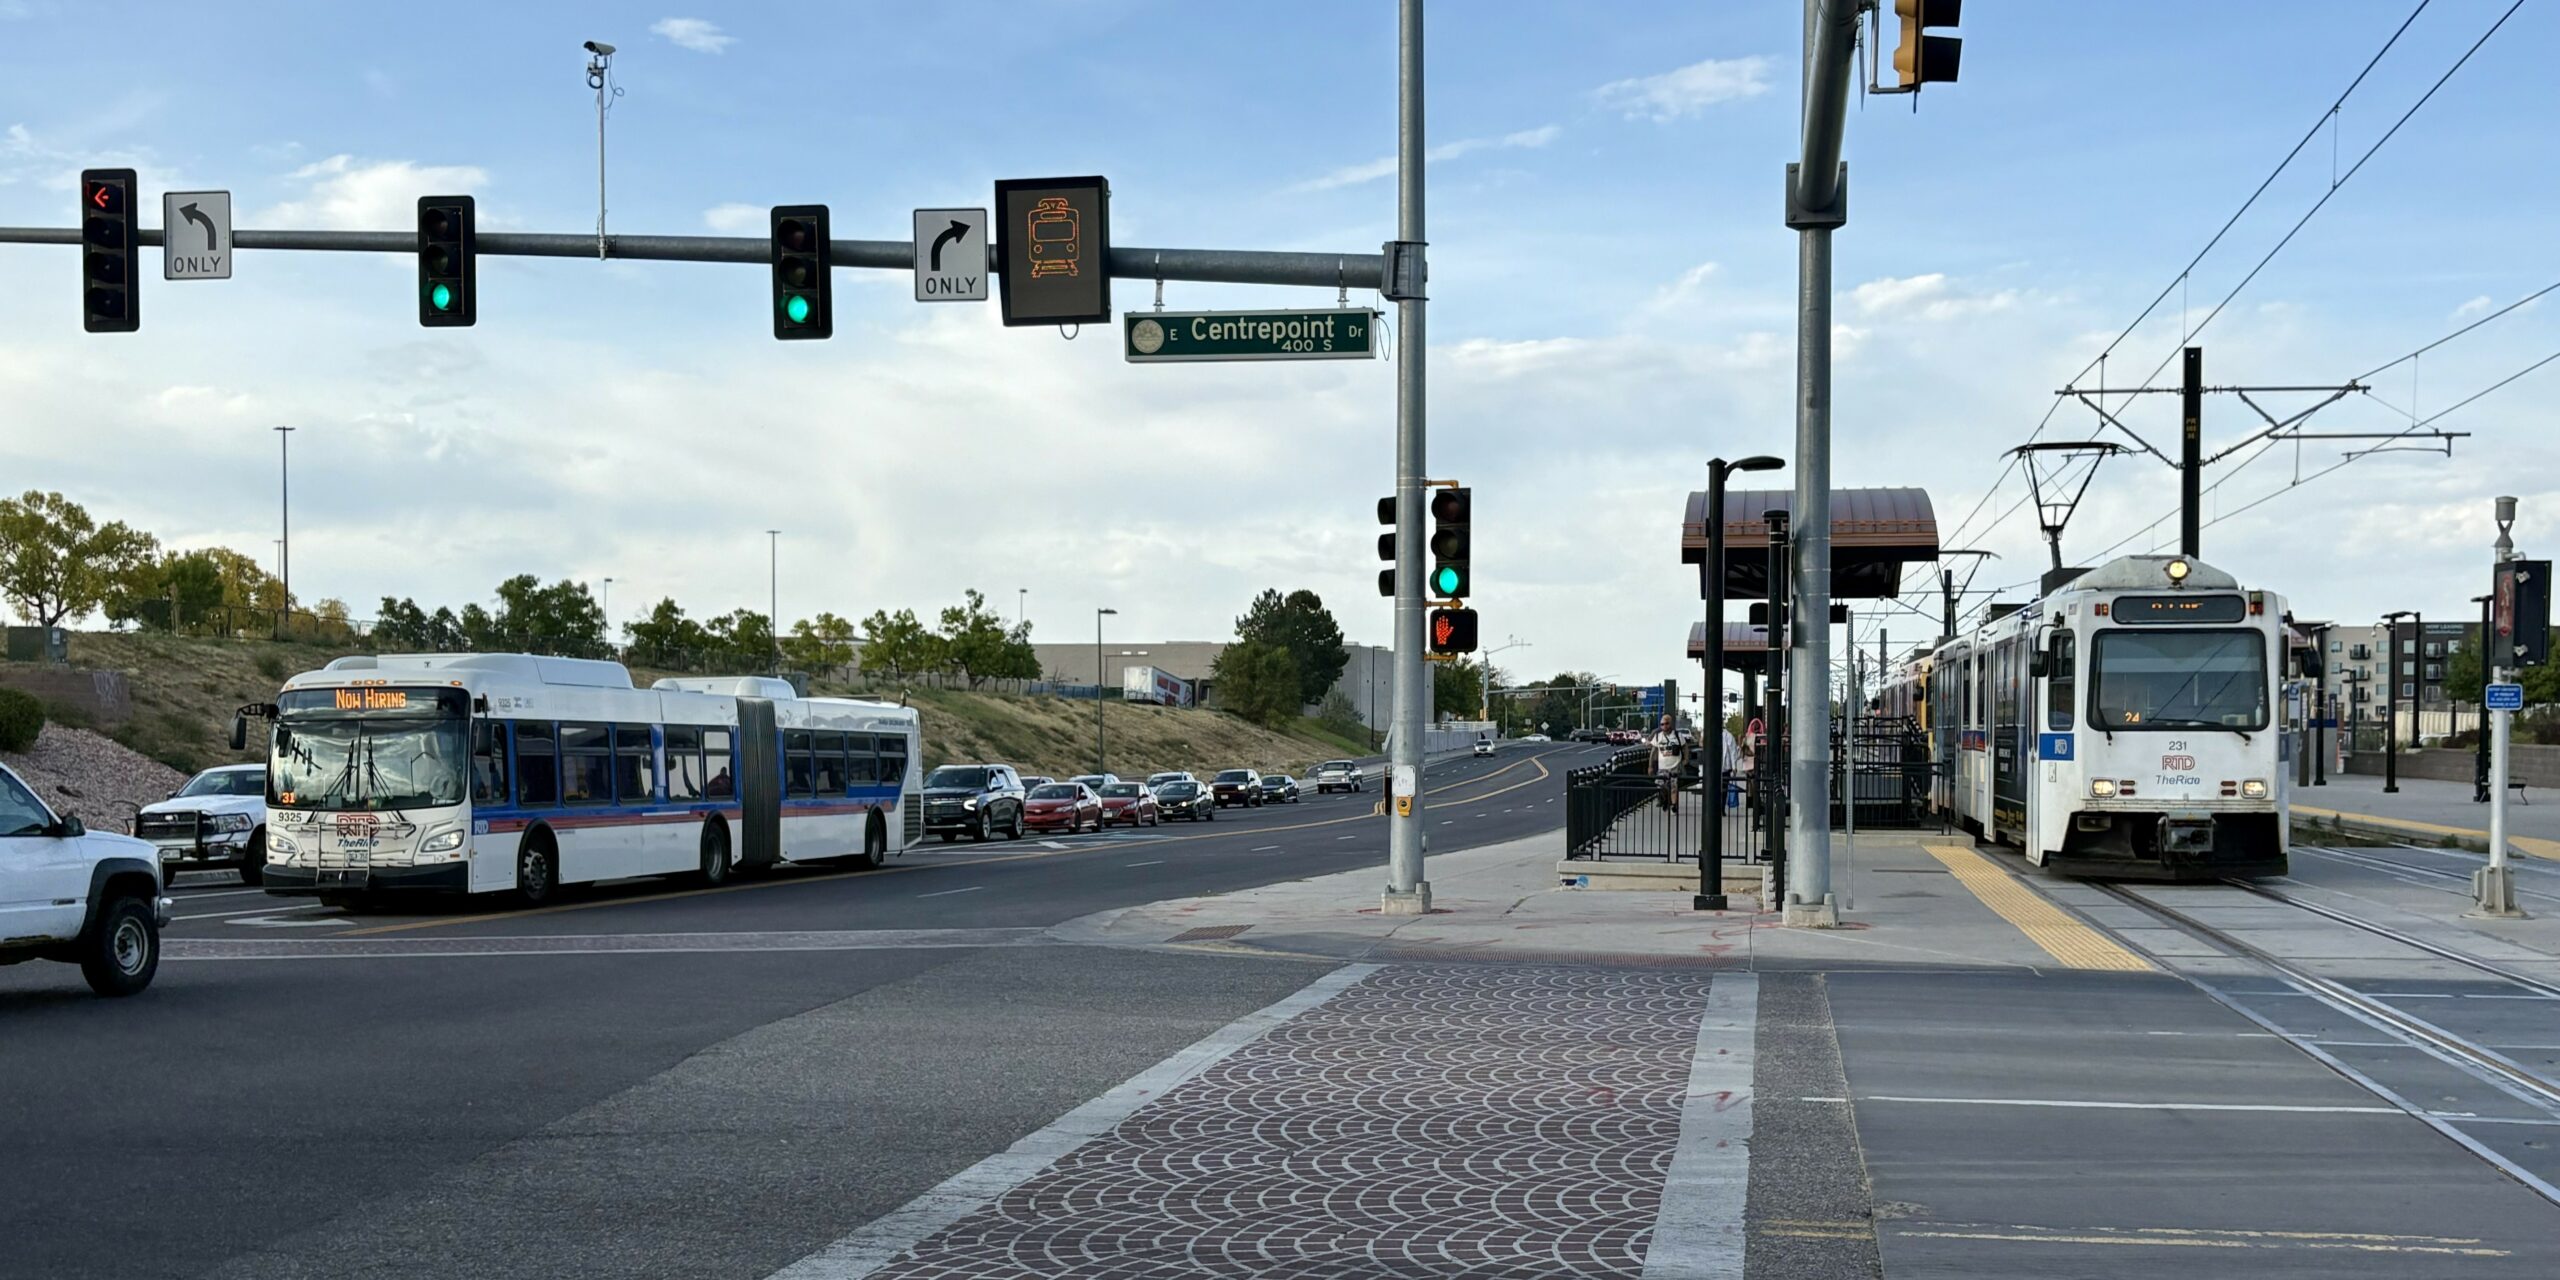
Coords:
951,255
2506,697
195,235
1167,337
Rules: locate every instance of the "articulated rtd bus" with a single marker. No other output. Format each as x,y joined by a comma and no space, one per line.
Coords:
510,773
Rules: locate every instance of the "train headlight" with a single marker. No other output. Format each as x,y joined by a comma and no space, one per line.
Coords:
2254,789
2178,570
2102,788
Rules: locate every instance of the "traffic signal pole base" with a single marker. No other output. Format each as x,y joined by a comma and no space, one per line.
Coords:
1801,914
1709,902
1416,903
2493,893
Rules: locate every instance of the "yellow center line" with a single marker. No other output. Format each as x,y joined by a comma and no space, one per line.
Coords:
675,895
2063,936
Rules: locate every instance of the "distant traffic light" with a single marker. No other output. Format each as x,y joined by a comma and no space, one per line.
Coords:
1387,546
803,295
1922,58
110,260
448,266
1450,579
1451,631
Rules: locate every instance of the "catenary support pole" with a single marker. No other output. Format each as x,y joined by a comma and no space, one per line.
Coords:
1711,895
1817,203
1774,780
2190,455
2493,887
1407,893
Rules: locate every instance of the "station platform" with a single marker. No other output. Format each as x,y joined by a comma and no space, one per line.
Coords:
2428,811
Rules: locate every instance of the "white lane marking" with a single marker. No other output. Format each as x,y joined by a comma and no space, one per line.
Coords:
193,894
2219,1035
1448,822
1157,863
1051,844
269,921
1346,837
1699,1231
873,1245
246,911
945,893
1262,848
2078,1104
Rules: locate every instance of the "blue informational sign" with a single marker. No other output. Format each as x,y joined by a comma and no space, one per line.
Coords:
2506,697
2053,746
1649,699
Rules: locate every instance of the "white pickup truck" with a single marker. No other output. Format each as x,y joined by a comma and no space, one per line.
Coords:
75,895
218,819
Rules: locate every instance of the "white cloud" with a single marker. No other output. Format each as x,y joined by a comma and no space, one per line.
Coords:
698,34
2475,307
1684,290
734,217
343,193
1688,90
1924,297
1385,166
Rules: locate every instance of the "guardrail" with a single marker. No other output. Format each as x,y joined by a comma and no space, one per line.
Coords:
1620,808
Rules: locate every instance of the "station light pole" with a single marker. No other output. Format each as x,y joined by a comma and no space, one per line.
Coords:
605,606
284,502
2391,702
1098,616
773,585
1484,687
1711,895
1402,275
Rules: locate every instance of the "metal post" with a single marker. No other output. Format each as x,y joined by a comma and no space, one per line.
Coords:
2190,454
2321,712
1711,894
284,500
2493,887
2417,679
1774,785
773,602
1947,604
1099,763
2488,672
2391,705
1407,893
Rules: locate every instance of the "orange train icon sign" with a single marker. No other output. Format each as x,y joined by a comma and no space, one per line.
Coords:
1056,233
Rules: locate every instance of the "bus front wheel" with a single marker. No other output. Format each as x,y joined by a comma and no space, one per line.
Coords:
537,871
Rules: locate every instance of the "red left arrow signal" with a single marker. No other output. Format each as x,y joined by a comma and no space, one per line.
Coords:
100,196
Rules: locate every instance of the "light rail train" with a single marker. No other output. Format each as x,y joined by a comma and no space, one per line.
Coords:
2124,725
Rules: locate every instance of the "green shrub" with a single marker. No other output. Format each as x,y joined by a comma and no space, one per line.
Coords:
271,665
21,719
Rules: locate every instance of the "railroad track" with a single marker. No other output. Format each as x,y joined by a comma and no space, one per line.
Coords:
2415,870
2508,1075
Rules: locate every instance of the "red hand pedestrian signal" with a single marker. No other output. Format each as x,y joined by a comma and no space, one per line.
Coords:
1442,630
1450,632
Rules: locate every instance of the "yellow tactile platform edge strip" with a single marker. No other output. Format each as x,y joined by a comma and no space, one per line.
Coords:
2066,939
2530,846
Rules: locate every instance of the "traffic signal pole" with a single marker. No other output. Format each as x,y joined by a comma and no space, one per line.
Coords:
1817,202
1407,893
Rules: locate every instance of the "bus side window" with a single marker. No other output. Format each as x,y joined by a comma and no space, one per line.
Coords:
537,764
893,759
684,761
862,767
489,763
2065,681
586,764
827,773
796,766
635,766
720,784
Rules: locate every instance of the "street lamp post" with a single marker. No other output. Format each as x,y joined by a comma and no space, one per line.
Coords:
2480,754
606,607
773,585
1711,894
1021,605
1484,687
1098,616
284,502
2391,703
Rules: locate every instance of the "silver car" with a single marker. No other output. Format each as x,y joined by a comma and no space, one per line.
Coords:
1336,775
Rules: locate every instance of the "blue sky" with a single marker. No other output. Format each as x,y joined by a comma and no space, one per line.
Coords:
1612,293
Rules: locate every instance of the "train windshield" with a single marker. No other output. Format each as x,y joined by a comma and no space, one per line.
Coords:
2179,680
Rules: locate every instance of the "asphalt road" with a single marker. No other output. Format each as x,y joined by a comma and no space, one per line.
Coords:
544,1094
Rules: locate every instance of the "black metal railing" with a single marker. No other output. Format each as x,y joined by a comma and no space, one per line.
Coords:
1885,766
1624,809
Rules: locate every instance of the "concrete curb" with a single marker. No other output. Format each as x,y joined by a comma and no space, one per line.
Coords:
2375,827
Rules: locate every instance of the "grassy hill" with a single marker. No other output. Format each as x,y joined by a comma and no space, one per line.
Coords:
185,690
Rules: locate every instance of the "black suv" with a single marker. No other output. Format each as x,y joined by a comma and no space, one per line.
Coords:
1240,787
980,801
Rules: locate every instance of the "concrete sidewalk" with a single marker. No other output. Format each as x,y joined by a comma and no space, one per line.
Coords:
1903,905
2427,811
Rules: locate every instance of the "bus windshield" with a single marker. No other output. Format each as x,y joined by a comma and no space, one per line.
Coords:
383,749
2179,680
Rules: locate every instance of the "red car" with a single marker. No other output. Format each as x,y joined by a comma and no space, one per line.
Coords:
1062,806
1130,803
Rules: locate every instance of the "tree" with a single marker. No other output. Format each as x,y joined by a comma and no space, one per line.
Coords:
401,624
560,619
1299,623
479,630
742,639
1257,680
1341,716
975,641
667,638
56,563
823,643
1457,688
2463,681
897,645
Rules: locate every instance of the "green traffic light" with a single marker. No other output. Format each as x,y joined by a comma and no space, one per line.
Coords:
1446,581
797,308
441,297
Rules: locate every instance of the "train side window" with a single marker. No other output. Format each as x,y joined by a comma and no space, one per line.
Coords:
2065,682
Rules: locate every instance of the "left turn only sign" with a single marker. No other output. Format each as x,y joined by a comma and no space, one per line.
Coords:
951,255
195,235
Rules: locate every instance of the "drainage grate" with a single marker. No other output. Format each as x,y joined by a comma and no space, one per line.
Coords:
1209,933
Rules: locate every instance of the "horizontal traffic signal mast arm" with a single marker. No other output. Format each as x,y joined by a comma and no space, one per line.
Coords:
1224,266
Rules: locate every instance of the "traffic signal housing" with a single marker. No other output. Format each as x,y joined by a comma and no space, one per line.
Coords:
1450,578
803,285
448,262
1450,632
110,260
1920,58
1387,546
